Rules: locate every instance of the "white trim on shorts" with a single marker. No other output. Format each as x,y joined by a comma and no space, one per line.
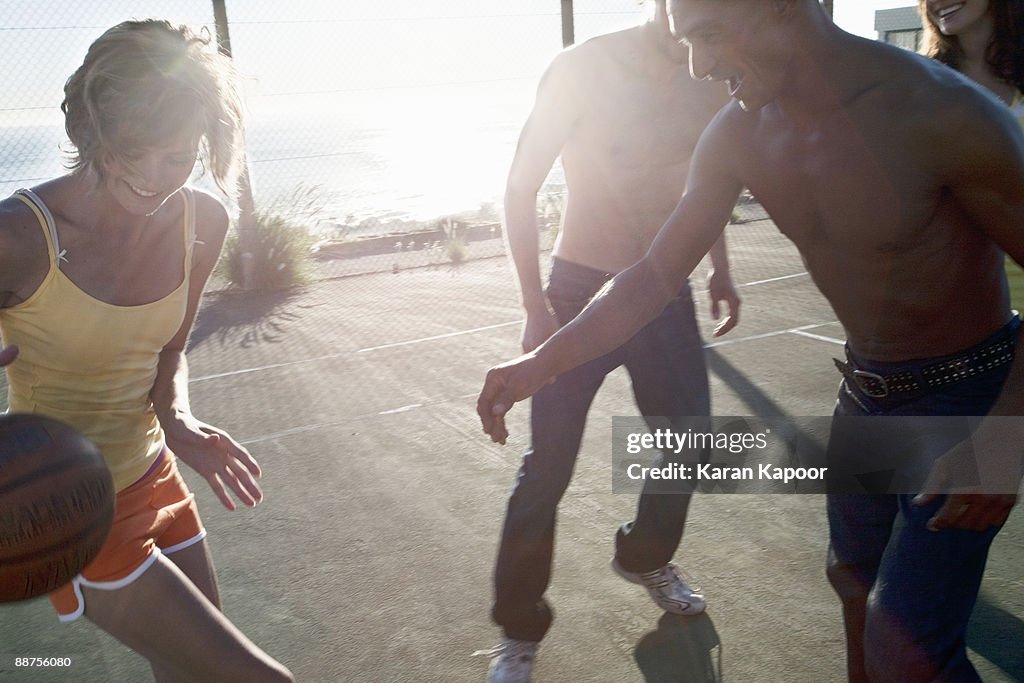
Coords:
80,580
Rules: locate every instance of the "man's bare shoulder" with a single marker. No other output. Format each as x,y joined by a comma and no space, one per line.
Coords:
595,56
728,145
913,93
952,98
732,125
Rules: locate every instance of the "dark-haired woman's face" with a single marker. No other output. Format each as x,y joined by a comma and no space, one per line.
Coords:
955,17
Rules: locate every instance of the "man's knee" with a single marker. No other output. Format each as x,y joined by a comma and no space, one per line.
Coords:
892,652
848,581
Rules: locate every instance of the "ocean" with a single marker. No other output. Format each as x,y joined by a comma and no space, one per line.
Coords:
385,113
362,161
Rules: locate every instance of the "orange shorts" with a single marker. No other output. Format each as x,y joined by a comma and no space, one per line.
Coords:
157,514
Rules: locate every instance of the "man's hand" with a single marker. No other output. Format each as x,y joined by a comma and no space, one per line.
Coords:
222,461
537,328
721,289
980,477
973,511
504,385
7,355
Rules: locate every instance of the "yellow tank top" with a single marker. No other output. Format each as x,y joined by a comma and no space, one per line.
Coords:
92,364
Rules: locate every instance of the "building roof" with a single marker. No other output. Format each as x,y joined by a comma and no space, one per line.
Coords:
898,19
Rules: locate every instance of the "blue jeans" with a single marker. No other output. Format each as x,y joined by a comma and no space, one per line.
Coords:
665,361
908,592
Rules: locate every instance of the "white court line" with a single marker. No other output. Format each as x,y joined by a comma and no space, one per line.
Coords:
403,409
438,336
272,366
348,420
449,335
766,335
772,279
518,322
752,283
820,337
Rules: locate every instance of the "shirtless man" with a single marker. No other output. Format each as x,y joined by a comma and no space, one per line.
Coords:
625,116
902,184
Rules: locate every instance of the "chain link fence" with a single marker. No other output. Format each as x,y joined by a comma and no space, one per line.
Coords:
385,129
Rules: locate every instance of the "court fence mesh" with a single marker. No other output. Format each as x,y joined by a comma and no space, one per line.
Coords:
383,131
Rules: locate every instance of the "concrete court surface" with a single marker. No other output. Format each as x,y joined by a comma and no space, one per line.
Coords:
370,559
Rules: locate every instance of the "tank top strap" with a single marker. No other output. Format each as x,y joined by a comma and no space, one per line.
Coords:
46,222
190,226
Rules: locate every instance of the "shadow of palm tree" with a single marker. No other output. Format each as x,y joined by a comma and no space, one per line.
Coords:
681,649
245,318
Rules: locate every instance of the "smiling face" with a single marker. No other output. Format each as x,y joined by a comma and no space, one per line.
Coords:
147,95
740,42
955,17
141,181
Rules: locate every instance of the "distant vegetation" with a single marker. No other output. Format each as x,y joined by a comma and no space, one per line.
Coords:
276,252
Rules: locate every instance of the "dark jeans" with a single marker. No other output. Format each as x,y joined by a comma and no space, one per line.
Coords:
908,592
665,361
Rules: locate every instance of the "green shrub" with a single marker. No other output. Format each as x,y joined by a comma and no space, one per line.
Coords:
455,247
280,248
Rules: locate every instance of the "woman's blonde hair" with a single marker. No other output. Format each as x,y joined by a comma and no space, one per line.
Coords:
149,83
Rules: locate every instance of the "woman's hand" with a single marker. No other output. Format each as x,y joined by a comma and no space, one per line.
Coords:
222,461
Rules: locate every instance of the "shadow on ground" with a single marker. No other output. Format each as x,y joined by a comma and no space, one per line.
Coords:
681,649
756,400
996,635
245,318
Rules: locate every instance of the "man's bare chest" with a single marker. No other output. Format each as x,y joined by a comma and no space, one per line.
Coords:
835,189
639,127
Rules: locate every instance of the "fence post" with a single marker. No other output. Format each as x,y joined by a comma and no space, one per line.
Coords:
246,203
568,27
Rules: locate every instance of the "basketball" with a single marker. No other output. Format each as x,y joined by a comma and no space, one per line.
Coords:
56,505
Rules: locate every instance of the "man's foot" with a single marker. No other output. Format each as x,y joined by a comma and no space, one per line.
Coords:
511,662
667,588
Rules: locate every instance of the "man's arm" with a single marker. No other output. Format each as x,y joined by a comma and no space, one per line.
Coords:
721,289
983,166
984,169
714,97
635,296
550,124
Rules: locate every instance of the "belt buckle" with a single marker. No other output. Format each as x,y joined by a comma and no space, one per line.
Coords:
864,380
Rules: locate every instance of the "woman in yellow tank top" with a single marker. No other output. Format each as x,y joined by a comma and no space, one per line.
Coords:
984,40
101,273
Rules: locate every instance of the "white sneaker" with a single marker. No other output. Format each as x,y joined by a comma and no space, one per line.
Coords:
511,662
667,588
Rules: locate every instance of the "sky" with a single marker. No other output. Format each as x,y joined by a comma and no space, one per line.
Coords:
351,73
858,16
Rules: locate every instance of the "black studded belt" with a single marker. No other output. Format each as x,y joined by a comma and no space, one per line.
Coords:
930,375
